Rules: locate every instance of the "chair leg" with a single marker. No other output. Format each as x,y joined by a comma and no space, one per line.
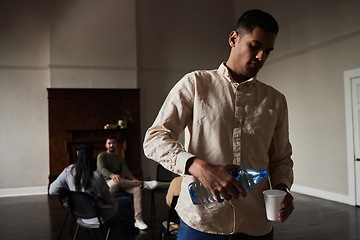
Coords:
72,223
108,234
76,232
63,225
162,234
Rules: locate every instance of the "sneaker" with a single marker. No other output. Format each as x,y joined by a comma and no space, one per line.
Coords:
150,184
139,223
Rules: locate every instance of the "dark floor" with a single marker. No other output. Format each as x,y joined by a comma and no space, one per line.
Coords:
40,217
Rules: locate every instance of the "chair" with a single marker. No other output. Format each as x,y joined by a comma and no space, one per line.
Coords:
166,228
83,206
164,176
63,197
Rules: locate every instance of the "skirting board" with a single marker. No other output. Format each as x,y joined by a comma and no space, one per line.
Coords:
331,196
14,192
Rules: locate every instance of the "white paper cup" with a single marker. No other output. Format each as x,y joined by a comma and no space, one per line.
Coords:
273,200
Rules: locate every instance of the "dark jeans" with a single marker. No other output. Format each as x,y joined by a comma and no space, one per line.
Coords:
188,233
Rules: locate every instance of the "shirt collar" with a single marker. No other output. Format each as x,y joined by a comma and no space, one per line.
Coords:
223,70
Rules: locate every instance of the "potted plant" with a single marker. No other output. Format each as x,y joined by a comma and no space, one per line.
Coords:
125,119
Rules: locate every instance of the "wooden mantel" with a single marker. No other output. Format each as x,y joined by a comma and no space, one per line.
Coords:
77,115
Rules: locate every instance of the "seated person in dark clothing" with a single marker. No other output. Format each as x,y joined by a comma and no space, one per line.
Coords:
83,177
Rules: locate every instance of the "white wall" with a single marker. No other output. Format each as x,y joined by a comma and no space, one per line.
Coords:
57,44
93,44
176,37
24,77
315,46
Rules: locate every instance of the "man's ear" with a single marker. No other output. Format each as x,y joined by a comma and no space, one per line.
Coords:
233,38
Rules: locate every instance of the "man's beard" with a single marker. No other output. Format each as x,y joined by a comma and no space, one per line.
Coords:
112,150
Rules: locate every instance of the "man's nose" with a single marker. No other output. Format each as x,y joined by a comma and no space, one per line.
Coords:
261,56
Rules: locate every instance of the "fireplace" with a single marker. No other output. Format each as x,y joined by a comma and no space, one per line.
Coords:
79,115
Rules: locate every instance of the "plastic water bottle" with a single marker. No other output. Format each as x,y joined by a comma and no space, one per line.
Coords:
248,178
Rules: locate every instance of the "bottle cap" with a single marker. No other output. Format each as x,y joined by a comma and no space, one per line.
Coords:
263,173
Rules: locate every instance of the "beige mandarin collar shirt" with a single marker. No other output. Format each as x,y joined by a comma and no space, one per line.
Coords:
224,122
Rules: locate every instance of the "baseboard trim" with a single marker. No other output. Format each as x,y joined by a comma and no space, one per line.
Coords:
336,197
26,191
342,198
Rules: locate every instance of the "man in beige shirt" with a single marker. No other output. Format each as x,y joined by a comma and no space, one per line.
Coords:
230,118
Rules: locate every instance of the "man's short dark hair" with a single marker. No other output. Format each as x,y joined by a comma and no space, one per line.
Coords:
111,137
256,18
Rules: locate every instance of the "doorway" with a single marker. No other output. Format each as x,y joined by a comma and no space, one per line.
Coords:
352,109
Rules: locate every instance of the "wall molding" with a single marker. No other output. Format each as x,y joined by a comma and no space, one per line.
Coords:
94,67
331,196
24,67
26,191
313,48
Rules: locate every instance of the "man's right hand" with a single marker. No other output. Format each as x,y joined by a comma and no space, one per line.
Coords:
216,178
116,177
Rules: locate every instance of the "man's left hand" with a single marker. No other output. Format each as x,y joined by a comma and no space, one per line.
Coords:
287,205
